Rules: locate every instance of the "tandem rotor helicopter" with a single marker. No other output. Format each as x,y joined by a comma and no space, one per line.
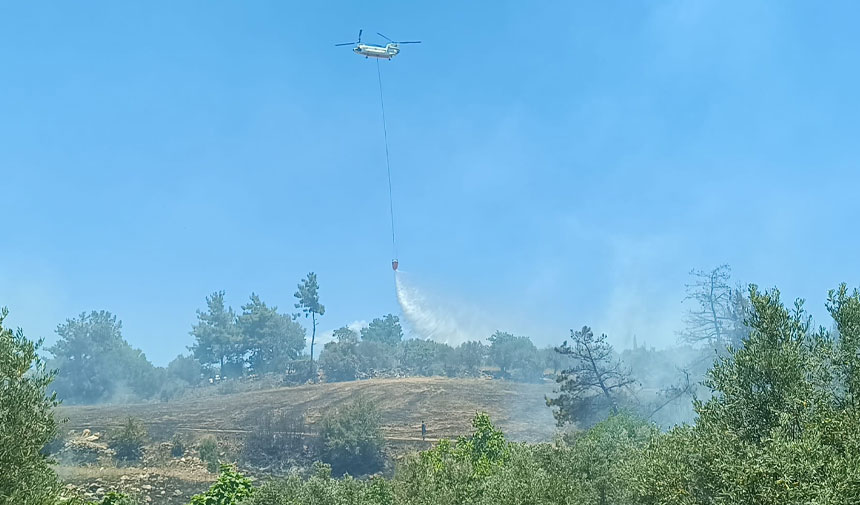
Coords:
386,52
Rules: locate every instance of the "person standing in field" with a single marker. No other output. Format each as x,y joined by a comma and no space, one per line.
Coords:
423,431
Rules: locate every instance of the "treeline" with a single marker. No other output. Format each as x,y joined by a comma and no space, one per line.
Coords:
96,364
379,350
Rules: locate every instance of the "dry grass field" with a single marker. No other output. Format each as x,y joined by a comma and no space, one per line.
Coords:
446,405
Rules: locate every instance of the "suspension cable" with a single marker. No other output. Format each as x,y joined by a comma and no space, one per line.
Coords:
387,161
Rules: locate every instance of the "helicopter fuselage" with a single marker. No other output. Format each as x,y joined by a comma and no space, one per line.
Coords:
371,51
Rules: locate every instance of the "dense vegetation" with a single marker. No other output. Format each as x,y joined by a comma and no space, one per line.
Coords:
777,425
780,428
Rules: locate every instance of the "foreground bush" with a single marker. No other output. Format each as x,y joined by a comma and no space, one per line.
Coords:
26,421
322,489
230,489
781,427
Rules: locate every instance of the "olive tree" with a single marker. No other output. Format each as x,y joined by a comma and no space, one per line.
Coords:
27,420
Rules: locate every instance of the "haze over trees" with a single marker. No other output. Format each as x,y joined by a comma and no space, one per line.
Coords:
595,386
96,363
716,320
509,351
778,429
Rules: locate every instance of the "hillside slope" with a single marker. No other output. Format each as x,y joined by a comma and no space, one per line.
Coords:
447,405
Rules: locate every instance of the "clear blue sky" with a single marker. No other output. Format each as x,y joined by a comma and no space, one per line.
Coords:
555,163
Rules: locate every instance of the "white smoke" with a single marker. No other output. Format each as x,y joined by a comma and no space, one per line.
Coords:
448,323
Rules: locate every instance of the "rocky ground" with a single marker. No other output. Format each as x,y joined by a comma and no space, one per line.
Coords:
87,466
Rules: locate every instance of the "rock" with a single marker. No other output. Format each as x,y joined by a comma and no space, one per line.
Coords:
177,492
163,492
86,433
146,487
100,490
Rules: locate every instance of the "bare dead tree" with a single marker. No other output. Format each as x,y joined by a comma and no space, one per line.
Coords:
707,322
595,384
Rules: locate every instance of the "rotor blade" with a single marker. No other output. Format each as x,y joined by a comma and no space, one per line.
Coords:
384,37
359,34
410,42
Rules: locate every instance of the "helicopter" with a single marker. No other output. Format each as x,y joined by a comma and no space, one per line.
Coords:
387,51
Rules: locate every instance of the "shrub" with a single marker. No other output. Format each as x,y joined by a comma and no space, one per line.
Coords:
208,450
351,438
231,488
26,420
128,442
321,489
455,473
177,446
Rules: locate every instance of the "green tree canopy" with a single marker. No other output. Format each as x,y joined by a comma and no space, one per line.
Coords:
508,351
423,357
781,425
470,356
345,334
269,338
185,368
216,338
95,363
386,330
340,361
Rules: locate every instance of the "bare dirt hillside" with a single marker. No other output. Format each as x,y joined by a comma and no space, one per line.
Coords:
447,405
